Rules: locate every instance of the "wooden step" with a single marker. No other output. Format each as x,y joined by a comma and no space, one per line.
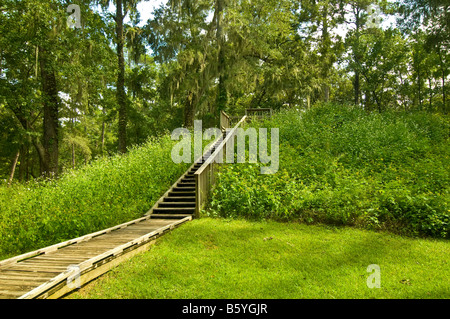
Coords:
186,184
174,210
190,199
187,181
177,204
182,193
169,216
183,189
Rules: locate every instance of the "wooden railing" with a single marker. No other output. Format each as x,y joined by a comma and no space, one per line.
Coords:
205,176
259,112
225,121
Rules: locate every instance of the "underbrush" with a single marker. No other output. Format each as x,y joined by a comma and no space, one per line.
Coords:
342,165
107,192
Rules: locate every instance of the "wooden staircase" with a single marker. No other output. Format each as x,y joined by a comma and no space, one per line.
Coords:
180,200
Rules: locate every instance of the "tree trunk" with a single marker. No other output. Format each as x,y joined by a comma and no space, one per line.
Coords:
431,96
103,132
1,59
325,53
444,109
73,155
121,95
189,110
419,82
51,125
33,139
27,163
356,83
356,88
13,168
222,91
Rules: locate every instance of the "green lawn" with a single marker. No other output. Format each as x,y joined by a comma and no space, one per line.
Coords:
221,258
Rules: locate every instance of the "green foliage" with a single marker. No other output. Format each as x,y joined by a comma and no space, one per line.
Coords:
342,165
102,194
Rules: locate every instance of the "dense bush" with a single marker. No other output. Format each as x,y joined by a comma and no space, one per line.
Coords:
104,193
342,165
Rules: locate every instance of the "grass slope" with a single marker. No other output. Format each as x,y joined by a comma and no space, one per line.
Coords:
223,258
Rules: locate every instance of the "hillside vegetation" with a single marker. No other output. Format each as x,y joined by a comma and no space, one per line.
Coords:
107,192
342,165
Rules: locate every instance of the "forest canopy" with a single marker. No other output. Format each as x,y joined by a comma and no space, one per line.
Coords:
71,93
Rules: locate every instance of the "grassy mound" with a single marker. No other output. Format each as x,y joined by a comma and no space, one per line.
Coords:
342,165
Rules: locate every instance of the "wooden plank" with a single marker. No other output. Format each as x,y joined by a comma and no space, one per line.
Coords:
47,263
98,246
21,279
72,258
25,278
7,294
60,257
34,268
122,235
43,261
79,253
27,274
21,286
80,248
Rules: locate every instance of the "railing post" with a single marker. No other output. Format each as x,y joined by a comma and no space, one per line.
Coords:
198,195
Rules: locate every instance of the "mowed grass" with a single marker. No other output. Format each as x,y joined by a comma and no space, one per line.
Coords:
223,258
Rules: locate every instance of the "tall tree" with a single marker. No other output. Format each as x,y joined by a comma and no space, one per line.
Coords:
221,62
181,37
42,61
51,109
123,7
355,17
31,62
